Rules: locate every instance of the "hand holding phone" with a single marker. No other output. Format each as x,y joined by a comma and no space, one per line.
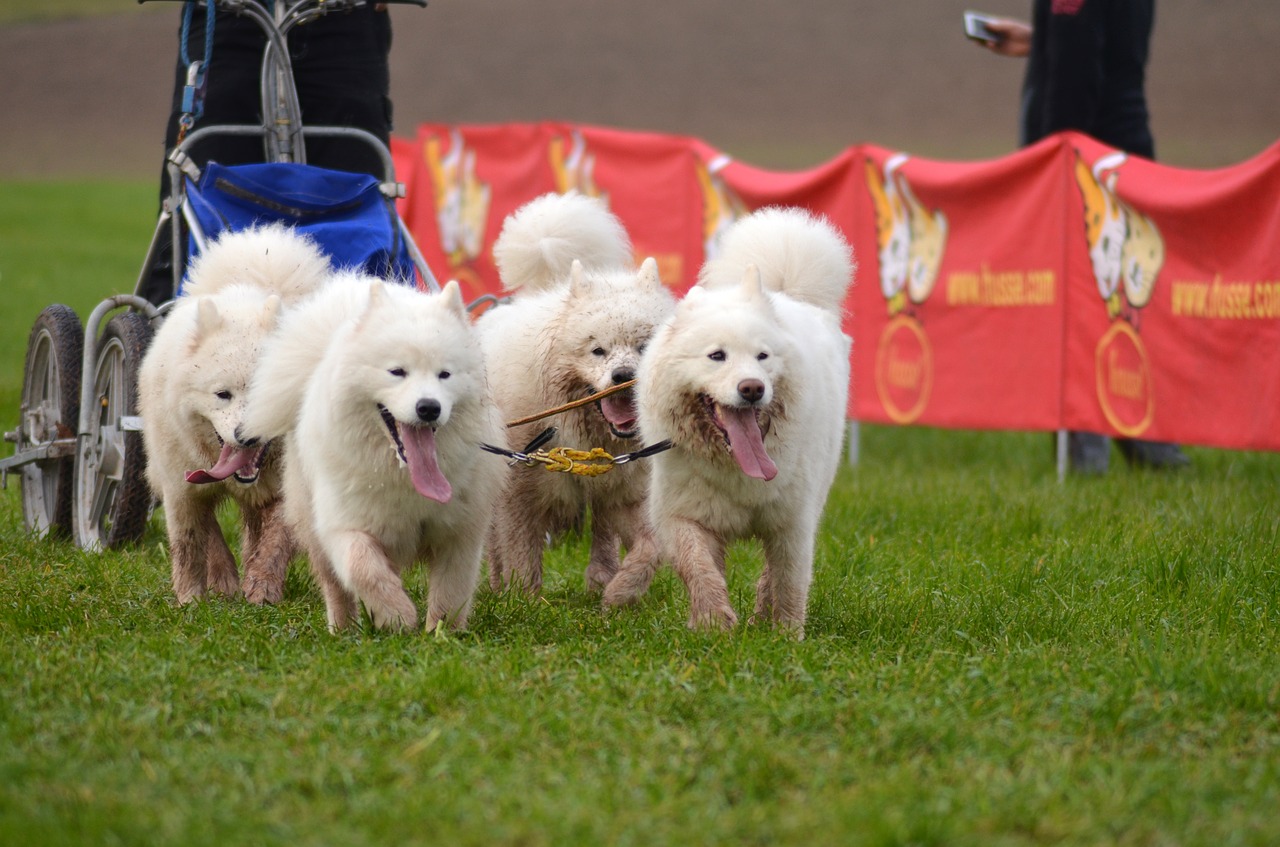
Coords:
1002,36
976,26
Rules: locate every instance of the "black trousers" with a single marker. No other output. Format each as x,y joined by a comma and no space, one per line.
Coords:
341,69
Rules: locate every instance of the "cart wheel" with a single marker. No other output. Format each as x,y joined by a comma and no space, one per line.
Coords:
111,493
50,410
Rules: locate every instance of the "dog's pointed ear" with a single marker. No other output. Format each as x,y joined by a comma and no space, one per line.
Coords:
377,297
207,318
452,294
649,278
579,286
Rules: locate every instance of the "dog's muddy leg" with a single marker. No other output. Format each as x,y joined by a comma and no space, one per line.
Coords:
517,547
453,577
639,565
268,547
374,579
495,560
604,550
189,524
220,574
339,603
699,560
202,561
220,567
782,593
632,580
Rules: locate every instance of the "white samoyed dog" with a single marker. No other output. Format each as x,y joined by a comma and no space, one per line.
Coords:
580,315
383,394
192,389
749,380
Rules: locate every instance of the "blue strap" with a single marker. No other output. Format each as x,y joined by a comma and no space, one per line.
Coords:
193,92
188,11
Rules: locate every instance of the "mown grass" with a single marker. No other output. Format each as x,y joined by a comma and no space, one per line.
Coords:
993,658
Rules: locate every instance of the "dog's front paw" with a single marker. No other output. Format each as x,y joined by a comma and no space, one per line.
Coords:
599,577
259,590
627,587
721,618
397,616
787,626
188,593
225,584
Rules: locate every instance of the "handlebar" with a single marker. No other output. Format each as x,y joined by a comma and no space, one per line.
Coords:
280,109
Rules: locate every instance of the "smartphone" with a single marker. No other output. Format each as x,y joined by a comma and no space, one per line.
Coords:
975,27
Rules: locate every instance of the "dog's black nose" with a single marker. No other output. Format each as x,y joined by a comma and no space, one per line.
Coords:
245,442
751,390
622,375
428,410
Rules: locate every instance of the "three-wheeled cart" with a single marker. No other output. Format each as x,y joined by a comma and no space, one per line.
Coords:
78,444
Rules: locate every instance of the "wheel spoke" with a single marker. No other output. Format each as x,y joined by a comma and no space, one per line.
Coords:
103,488
111,452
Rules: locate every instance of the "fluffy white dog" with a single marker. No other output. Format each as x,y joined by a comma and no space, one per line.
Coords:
192,388
383,394
749,379
578,320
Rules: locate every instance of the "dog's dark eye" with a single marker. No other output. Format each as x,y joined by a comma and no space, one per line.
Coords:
223,395
762,356
717,356
398,372
597,351
444,375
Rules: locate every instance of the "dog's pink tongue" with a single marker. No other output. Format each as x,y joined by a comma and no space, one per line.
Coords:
746,443
420,451
619,409
229,461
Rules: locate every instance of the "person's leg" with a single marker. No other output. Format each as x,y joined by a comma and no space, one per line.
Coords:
232,96
1088,452
1153,454
341,64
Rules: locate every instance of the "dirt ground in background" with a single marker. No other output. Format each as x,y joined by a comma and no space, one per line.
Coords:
777,83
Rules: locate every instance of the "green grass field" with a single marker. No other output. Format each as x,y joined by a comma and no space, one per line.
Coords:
993,658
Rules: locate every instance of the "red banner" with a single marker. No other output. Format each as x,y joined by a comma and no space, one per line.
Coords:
1063,286
1174,299
964,324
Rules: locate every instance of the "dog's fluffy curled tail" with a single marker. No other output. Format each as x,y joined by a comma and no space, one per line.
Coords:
540,241
274,257
797,253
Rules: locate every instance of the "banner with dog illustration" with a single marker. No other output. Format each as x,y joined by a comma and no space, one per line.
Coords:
1065,285
464,181
955,303
1173,299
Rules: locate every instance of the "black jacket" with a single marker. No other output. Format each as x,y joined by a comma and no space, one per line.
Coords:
1087,71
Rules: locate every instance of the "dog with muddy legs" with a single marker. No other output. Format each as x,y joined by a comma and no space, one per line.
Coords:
749,380
192,389
382,393
579,316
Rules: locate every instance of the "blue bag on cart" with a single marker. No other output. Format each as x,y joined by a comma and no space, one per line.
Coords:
346,213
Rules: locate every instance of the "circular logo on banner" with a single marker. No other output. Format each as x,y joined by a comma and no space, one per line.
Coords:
904,369
1123,378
